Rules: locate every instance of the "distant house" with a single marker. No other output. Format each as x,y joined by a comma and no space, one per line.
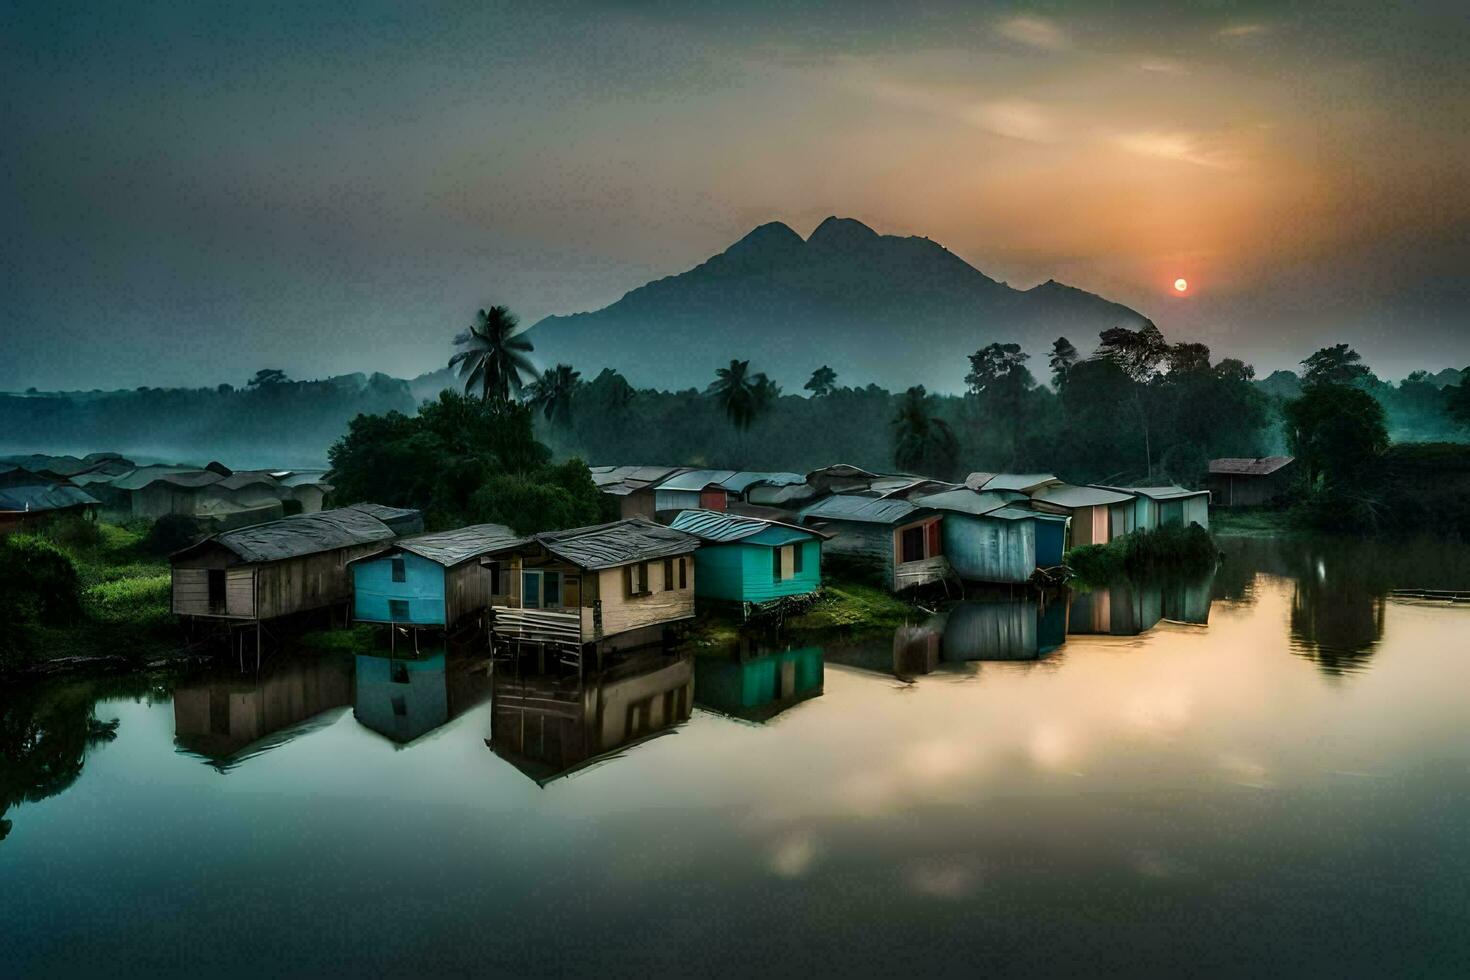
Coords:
758,688
1250,482
612,585
1153,507
1089,507
989,538
633,486
309,488
901,541
431,580
693,489
150,492
1022,483
28,499
750,559
549,725
293,565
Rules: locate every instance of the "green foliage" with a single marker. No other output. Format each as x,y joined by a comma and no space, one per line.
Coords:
493,356
1457,400
853,606
1063,356
171,533
1335,365
1335,432
71,531
822,382
1141,555
742,396
552,393
545,499
922,442
39,587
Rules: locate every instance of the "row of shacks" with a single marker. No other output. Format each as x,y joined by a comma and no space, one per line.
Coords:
108,485
754,540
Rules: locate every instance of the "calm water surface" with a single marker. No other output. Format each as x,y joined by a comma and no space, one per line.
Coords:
1267,771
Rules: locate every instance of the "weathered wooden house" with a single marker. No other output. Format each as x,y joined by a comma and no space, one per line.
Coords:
757,688
432,580
293,565
1150,508
1090,509
632,486
549,725
896,539
750,559
991,537
1247,482
612,585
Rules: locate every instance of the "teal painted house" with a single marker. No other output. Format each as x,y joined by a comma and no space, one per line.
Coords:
758,688
990,538
750,559
431,580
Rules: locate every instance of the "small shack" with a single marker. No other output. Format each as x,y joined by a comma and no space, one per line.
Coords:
990,538
751,559
431,580
613,585
633,486
293,565
1250,482
899,540
1090,509
693,489
1152,507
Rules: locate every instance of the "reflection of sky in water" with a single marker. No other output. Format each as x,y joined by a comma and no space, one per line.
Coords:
1199,797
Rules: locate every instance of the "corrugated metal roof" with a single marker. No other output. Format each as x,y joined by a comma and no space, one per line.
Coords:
964,501
744,479
305,479
713,525
868,510
619,543
308,534
623,480
695,479
241,479
43,497
1172,492
1011,512
449,548
1066,495
1248,466
1018,482
179,476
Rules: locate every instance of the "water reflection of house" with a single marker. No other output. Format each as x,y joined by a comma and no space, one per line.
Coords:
1123,609
549,724
405,699
1010,630
757,688
230,719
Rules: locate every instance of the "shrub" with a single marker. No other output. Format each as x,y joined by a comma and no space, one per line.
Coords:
38,578
72,531
1171,548
170,533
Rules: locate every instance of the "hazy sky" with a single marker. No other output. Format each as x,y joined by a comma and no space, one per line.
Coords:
191,191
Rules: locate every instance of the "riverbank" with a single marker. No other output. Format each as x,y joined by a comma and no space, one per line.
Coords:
841,609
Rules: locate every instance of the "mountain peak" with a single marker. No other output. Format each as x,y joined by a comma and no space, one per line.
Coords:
835,232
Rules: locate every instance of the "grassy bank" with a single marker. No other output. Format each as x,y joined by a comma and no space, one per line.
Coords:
1142,554
1251,523
120,606
841,608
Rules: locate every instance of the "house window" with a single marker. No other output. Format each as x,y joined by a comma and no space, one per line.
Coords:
398,610
550,589
497,583
637,579
216,590
798,552
668,574
911,544
683,573
400,573
530,590
775,564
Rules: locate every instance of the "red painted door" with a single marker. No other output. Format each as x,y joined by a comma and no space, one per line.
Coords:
712,498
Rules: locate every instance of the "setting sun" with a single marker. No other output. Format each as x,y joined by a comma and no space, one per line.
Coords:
1180,285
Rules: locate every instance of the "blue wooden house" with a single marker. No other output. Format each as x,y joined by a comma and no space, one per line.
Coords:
751,559
1150,508
432,580
989,537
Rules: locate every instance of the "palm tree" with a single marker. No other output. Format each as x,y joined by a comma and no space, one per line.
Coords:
740,394
552,393
922,443
493,356
823,382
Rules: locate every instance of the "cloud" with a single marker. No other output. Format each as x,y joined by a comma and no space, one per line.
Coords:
1018,120
794,855
1035,32
1178,145
1235,31
1164,66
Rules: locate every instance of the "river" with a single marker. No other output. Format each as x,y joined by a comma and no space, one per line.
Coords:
1263,771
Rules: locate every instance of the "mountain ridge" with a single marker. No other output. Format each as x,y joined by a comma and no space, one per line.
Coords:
877,308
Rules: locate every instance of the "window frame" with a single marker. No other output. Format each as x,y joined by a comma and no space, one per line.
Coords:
398,569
